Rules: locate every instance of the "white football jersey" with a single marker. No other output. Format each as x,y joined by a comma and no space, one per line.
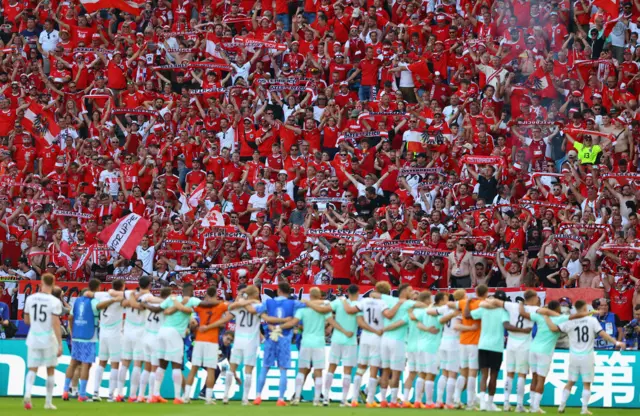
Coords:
111,316
582,334
247,329
41,307
450,335
134,318
153,321
517,340
371,311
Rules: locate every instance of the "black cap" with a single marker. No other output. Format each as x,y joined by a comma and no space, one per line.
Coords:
500,295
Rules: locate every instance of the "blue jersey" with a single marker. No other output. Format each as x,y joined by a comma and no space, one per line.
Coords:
282,307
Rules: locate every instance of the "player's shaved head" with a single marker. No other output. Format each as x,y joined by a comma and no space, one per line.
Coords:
315,293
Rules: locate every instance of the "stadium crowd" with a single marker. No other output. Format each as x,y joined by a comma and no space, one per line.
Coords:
441,144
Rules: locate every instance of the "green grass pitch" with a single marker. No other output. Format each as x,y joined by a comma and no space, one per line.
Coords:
13,406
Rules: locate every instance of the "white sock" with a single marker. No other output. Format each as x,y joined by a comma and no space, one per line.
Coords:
586,395
176,375
442,383
451,386
208,393
401,391
460,383
299,383
490,402
113,381
355,387
419,391
428,389
317,391
152,384
51,382
228,382
158,381
520,391
122,379
371,389
144,380
508,382
565,396
394,395
98,380
246,386
134,381
187,391
383,394
328,381
346,383
481,397
31,378
471,390
533,398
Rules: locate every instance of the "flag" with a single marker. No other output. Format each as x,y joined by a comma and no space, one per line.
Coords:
41,123
197,195
214,218
124,235
211,45
540,83
134,7
609,6
184,204
63,257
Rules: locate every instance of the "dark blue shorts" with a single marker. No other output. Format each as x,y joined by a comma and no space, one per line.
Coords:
84,352
279,352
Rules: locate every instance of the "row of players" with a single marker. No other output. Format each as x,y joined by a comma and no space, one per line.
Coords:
424,332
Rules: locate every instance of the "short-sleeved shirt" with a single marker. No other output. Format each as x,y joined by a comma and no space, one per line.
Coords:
428,342
41,307
518,340
402,314
470,337
492,334
111,316
371,312
545,340
582,334
312,327
247,325
179,320
348,321
208,315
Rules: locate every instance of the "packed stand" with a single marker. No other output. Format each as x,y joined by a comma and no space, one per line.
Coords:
439,144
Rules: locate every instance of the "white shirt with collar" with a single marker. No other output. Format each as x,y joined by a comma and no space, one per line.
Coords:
49,40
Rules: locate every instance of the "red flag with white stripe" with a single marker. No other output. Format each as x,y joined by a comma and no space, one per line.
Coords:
124,235
134,7
611,7
197,195
41,123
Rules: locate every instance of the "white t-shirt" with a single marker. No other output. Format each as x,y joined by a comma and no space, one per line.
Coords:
49,40
112,179
227,139
41,307
146,257
258,202
582,334
241,71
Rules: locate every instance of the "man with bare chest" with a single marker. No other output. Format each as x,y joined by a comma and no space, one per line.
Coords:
461,268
